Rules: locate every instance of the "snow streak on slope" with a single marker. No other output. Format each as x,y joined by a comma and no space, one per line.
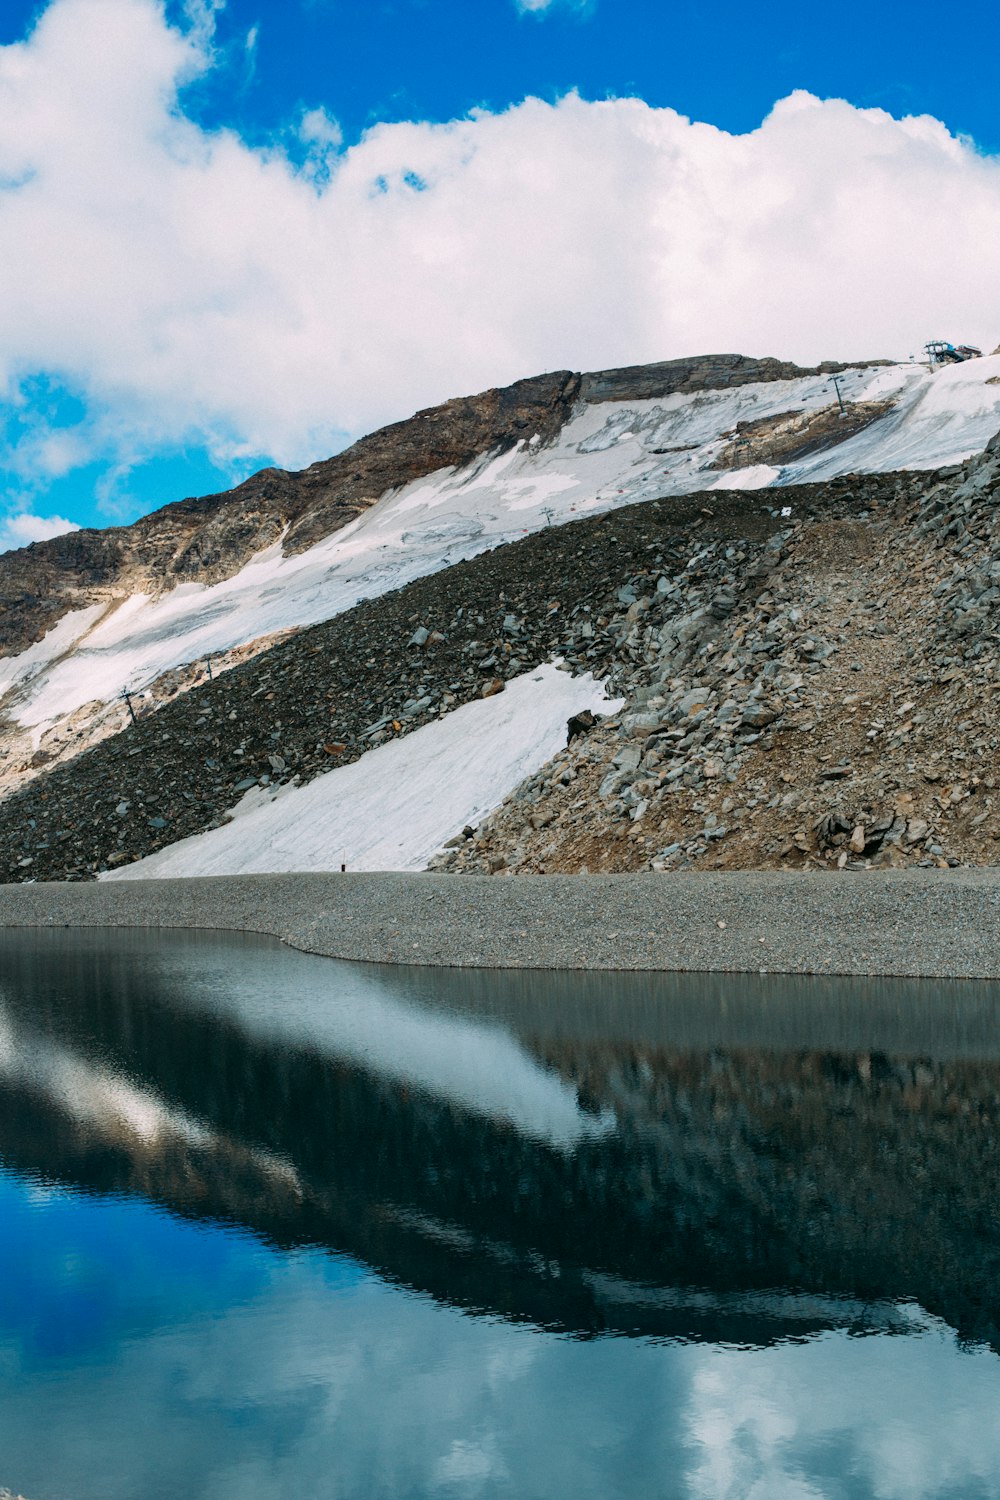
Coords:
56,643
610,454
396,806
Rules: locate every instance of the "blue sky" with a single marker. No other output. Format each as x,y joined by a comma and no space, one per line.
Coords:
179,1358
724,62
239,235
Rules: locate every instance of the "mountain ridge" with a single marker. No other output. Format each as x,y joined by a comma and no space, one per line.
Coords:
208,538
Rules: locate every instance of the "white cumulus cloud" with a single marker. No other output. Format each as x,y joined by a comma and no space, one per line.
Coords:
191,288
19,530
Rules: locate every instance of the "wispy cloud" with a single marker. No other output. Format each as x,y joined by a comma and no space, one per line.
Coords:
322,138
201,15
541,7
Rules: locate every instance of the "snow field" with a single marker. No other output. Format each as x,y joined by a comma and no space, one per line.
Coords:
396,806
608,455
54,644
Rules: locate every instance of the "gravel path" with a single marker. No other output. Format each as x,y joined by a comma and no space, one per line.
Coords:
902,922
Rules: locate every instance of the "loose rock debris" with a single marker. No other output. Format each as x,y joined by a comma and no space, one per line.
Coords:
805,690
826,702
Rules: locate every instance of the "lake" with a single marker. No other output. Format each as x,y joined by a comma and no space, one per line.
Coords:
277,1226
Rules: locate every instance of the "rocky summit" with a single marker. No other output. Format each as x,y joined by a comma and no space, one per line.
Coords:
806,670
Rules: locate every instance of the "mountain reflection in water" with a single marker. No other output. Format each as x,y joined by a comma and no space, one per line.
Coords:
728,1163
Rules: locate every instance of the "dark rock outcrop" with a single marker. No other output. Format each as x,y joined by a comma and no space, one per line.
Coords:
704,372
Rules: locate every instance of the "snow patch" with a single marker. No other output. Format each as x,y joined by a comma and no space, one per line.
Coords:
396,806
756,477
15,670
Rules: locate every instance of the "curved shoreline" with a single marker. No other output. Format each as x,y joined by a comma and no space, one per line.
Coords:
917,923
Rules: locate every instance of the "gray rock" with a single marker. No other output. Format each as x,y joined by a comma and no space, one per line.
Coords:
723,604
759,713
612,783
692,702
641,724
628,758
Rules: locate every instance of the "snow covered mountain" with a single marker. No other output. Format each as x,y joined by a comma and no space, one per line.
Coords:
203,586
592,446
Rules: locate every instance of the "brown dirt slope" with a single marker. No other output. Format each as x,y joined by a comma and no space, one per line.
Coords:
792,435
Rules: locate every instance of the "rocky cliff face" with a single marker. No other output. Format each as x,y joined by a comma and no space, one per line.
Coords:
808,671
703,372
209,538
589,592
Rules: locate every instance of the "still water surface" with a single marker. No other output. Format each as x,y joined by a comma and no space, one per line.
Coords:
273,1226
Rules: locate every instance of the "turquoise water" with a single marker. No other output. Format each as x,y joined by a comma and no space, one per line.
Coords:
274,1226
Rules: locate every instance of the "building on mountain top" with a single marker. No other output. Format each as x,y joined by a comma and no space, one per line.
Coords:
940,352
